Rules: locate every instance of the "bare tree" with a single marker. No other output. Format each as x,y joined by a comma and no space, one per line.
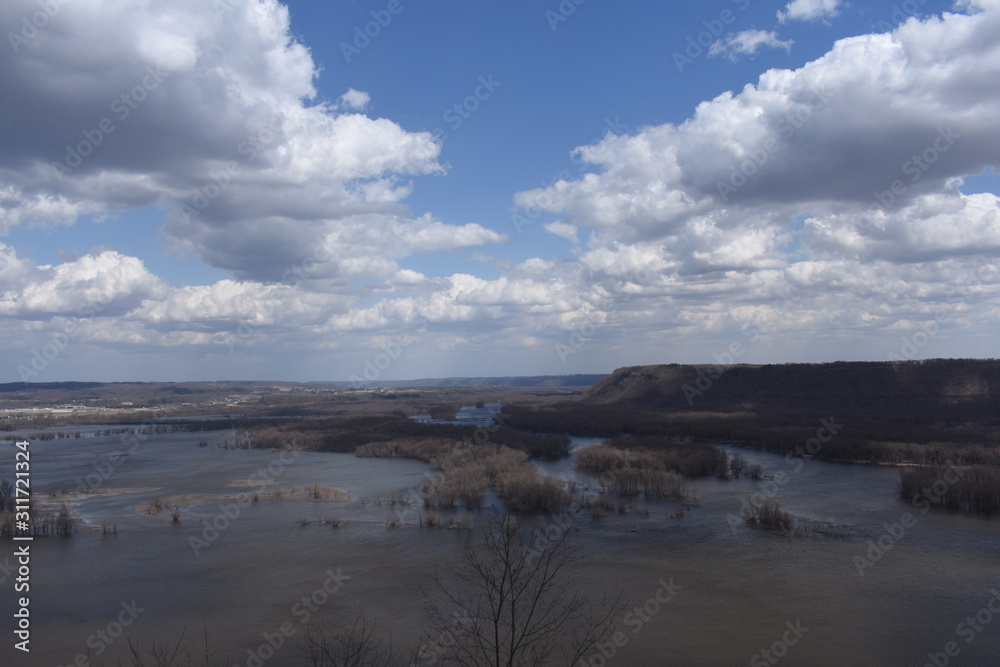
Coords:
357,646
737,466
511,602
169,653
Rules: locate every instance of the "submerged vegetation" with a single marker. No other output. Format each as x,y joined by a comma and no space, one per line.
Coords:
972,489
628,473
394,435
42,521
767,516
467,469
684,458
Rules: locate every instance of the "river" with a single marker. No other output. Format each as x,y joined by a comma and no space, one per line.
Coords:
810,599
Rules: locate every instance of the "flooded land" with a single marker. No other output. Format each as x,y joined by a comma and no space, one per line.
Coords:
179,531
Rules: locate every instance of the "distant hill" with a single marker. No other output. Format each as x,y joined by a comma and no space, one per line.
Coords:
535,381
10,387
115,394
951,385
928,412
20,394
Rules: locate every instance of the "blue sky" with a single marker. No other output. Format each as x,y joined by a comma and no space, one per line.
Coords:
514,188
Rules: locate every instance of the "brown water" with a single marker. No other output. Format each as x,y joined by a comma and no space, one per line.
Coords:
737,589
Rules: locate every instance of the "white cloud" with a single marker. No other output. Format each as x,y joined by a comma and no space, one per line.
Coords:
109,283
809,10
771,191
568,232
216,127
748,42
355,100
970,6
934,227
17,207
312,226
14,271
913,106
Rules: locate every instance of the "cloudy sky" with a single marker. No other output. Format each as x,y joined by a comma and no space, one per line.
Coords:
247,189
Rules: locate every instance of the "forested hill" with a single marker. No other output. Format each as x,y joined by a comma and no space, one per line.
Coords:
940,386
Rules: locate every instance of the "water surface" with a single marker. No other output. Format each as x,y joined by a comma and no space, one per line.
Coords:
737,588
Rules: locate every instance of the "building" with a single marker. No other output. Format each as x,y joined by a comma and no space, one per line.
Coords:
471,413
467,414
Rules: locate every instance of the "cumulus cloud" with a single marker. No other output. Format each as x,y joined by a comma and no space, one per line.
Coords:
207,113
355,100
108,283
568,232
809,10
932,228
14,271
826,198
814,206
880,120
748,42
41,209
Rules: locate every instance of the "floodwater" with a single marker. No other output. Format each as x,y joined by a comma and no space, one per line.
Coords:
736,592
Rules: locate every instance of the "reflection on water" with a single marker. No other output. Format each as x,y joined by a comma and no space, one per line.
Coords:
739,591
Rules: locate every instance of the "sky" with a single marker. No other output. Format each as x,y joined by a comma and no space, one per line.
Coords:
397,189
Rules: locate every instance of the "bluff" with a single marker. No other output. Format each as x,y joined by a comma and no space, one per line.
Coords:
942,388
